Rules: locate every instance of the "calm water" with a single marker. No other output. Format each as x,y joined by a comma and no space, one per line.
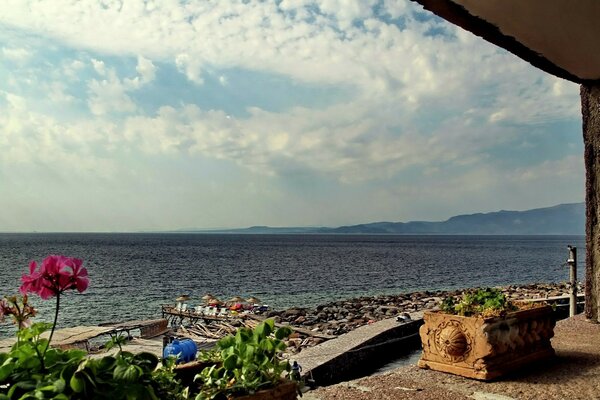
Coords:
133,274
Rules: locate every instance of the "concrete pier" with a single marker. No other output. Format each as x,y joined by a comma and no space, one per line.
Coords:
355,353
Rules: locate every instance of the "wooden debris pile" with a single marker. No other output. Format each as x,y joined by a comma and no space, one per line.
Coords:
211,331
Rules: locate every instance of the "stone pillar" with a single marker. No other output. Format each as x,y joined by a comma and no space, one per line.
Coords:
590,110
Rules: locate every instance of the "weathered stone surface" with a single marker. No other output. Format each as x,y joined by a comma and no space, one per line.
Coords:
590,110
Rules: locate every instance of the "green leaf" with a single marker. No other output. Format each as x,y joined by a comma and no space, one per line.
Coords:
47,388
77,383
264,329
250,351
269,347
106,363
243,335
59,385
40,327
149,359
75,354
283,332
6,370
127,373
280,346
226,342
230,362
270,323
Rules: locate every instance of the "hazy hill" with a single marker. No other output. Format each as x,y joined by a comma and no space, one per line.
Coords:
563,219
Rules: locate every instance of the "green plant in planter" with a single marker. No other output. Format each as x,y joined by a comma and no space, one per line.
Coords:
485,302
250,363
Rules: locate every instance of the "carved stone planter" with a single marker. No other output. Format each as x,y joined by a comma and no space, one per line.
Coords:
486,348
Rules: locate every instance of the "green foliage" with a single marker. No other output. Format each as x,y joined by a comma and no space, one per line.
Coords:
485,302
250,363
210,356
33,371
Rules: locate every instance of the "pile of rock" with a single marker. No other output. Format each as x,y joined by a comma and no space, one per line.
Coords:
335,318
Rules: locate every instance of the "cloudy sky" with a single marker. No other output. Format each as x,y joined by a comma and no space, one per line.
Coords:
119,115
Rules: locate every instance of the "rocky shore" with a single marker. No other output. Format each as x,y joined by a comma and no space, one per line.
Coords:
336,318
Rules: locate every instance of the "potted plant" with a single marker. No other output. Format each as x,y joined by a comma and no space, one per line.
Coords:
484,335
250,369
34,369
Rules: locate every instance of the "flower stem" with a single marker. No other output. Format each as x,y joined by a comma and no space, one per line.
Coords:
53,324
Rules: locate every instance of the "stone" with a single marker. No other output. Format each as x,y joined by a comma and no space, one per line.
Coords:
293,312
486,348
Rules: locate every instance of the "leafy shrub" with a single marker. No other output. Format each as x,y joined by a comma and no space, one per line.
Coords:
249,363
32,369
485,302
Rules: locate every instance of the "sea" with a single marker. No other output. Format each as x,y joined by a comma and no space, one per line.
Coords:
133,274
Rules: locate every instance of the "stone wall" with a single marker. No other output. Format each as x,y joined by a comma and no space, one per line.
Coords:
590,110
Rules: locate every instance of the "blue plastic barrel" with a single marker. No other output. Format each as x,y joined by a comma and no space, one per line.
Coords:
185,350
190,349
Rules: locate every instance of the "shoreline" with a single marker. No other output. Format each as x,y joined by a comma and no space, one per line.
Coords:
336,318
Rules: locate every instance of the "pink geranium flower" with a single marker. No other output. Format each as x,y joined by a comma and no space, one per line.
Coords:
56,275
76,278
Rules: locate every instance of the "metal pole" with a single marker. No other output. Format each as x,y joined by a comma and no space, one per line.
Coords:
572,262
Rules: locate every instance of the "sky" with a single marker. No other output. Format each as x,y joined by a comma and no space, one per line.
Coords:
159,115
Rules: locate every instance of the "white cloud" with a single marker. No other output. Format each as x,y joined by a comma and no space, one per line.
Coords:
344,142
19,55
111,94
57,93
72,68
328,47
417,101
99,67
146,70
31,138
346,12
108,95
17,102
190,67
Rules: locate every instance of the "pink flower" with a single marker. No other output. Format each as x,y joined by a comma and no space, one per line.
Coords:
77,278
33,281
56,275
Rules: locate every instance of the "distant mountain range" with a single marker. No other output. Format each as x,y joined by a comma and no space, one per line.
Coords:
563,219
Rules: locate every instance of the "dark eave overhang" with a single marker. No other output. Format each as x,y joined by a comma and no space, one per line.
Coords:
459,15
